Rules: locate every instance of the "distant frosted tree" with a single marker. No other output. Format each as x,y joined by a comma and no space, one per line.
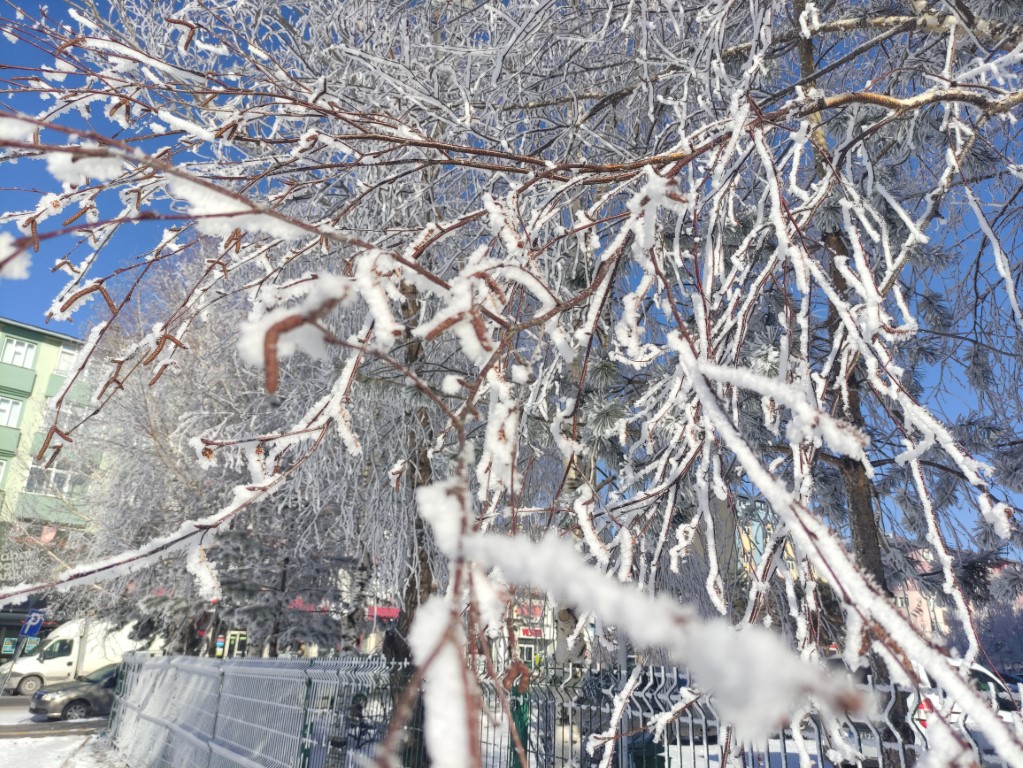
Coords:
290,567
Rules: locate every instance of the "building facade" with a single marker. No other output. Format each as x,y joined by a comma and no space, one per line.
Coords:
35,500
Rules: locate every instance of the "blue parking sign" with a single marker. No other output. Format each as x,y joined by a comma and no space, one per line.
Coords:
33,623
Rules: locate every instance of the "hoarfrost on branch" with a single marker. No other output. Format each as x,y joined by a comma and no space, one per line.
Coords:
625,275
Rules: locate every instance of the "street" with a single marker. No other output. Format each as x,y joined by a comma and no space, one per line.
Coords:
17,722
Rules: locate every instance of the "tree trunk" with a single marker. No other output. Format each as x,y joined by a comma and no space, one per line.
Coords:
420,583
357,604
275,631
420,580
212,633
864,531
863,526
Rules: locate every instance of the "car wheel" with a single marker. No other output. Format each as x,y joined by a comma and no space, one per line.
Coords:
29,685
76,710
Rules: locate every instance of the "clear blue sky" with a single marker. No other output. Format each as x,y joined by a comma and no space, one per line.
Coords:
27,301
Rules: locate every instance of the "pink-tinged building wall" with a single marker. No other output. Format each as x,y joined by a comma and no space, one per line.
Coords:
926,615
924,611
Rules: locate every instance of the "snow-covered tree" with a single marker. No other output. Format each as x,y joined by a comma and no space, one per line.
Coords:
624,268
300,566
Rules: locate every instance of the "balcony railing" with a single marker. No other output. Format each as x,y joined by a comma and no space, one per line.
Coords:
9,439
16,379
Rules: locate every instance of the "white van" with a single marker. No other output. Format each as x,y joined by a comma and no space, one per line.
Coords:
72,650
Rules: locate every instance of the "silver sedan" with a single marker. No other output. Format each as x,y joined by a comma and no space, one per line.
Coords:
89,696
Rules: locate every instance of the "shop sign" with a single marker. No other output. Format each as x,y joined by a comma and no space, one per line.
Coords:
13,563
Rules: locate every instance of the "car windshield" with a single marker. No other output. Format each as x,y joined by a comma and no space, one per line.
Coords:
31,648
101,674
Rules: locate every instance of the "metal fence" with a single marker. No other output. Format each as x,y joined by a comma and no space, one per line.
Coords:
184,712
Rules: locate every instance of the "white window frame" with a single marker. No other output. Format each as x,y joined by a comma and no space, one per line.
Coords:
57,482
65,361
3,468
10,412
16,350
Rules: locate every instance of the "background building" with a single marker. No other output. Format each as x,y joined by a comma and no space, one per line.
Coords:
36,502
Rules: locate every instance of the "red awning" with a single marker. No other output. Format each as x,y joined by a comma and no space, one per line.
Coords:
298,604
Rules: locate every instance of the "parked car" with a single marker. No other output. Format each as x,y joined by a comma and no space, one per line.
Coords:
1012,679
988,685
89,696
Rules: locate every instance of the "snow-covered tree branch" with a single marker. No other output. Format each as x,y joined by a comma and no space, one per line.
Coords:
597,274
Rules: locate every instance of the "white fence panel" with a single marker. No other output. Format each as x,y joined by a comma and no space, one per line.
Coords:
188,712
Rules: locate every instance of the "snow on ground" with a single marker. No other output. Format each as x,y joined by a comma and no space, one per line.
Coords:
19,716
59,752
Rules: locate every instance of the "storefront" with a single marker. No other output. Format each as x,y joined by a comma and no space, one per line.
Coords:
11,619
533,624
231,645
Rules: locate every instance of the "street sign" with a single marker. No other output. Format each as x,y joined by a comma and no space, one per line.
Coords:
28,634
33,623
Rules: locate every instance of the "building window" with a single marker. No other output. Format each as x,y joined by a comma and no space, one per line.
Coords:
20,353
51,481
65,361
3,466
10,412
71,414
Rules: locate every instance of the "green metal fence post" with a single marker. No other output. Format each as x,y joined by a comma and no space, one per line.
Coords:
306,739
216,715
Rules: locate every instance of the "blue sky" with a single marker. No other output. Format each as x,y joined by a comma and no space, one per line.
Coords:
28,300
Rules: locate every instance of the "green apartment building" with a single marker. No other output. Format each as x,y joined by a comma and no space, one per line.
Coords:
34,363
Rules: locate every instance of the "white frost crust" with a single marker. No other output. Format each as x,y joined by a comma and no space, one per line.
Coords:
371,269
48,205
219,214
130,54
459,312
206,579
15,128
807,423
609,737
496,468
997,514
809,20
436,637
205,461
70,168
754,678
306,338
441,504
82,20
584,507
59,72
491,597
180,124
